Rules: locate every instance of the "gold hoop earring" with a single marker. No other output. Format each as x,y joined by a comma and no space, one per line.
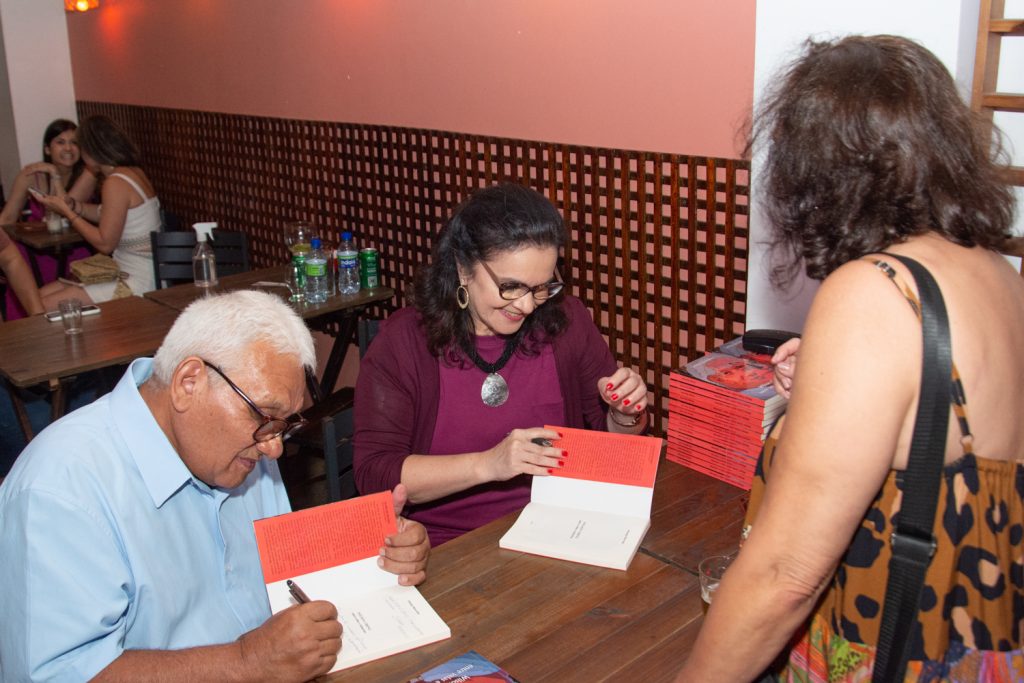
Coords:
462,297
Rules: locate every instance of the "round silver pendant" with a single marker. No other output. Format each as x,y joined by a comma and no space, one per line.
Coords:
494,390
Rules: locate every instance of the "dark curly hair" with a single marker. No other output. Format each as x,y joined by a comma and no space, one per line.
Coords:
491,221
56,127
867,142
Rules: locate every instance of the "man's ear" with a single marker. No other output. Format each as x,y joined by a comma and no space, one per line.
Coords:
188,383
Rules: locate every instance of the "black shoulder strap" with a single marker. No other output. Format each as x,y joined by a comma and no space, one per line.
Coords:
913,543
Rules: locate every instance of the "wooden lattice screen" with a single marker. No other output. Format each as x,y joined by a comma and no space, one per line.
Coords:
658,241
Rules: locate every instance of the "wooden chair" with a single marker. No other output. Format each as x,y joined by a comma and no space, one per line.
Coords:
331,428
172,254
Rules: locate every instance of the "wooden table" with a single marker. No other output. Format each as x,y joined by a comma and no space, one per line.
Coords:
36,351
548,620
35,236
339,308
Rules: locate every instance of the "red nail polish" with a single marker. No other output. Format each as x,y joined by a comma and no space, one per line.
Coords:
625,402
561,462
609,386
551,471
565,454
639,408
614,396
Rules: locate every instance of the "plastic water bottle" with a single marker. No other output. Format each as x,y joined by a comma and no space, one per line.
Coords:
348,265
316,274
204,262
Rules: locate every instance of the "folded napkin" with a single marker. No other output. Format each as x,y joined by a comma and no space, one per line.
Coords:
96,268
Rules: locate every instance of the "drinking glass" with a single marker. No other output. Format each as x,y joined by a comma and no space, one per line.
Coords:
298,235
711,570
71,315
54,222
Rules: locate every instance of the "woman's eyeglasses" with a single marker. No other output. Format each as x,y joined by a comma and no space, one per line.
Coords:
272,427
510,291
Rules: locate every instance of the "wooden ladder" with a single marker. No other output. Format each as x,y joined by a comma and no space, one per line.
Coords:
985,99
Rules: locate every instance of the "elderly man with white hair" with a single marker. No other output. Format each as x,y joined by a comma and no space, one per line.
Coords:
126,531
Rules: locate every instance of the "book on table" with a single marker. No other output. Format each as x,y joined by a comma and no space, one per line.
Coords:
471,666
596,508
331,552
721,407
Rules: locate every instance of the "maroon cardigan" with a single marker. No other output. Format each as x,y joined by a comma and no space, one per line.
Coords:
397,392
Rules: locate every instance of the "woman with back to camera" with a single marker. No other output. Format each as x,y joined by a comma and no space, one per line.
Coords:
870,153
454,390
62,166
120,226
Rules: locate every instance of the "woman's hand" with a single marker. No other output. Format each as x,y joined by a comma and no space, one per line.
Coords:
519,454
40,167
56,202
784,364
625,392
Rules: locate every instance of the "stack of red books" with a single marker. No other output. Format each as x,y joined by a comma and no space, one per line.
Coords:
721,407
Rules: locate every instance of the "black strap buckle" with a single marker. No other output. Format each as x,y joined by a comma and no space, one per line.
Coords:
913,546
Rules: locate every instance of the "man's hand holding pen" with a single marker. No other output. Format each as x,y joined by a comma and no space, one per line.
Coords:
299,643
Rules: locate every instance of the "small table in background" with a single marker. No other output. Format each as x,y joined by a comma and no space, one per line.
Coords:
35,351
35,236
343,309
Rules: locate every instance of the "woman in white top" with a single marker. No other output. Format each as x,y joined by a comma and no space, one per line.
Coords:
120,226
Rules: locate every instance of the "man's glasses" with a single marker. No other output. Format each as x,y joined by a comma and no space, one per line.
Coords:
272,427
510,291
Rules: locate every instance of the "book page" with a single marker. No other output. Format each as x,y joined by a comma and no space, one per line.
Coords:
607,457
586,536
385,622
324,536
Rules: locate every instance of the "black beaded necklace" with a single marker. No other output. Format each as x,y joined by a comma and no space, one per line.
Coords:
494,391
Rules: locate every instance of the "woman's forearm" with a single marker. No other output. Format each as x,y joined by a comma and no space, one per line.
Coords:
91,234
755,613
429,477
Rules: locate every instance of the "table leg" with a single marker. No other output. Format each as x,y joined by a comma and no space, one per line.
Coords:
19,411
58,400
347,325
34,264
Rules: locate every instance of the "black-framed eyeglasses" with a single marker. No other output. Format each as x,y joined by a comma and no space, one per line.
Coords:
272,427
510,291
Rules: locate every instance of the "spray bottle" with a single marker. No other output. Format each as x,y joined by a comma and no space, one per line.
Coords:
204,263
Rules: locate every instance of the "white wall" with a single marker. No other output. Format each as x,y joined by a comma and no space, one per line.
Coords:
946,27
38,79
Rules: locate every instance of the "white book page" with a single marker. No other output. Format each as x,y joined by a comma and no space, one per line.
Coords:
597,496
379,617
586,536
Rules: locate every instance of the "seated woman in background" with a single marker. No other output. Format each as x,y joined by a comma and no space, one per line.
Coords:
61,167
871,153
130,210
454,389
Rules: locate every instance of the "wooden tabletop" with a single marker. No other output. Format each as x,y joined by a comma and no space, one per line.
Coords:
549,620
180,296
34,350
34,234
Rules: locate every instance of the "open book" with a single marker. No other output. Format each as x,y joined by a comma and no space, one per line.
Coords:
597,507
331,552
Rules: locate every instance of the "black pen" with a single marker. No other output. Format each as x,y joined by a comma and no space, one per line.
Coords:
297,593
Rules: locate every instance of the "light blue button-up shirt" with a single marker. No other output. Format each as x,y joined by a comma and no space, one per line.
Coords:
108,543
